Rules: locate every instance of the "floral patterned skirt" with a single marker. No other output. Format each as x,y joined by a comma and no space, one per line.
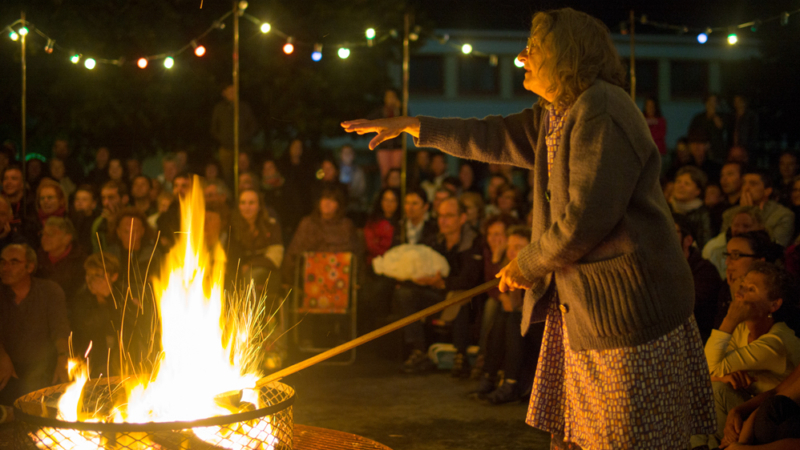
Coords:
652,396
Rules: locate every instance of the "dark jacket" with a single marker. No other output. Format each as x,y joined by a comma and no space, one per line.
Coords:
465,260
67,272
429,231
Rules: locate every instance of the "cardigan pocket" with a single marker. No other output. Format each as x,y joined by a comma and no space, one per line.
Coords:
606,301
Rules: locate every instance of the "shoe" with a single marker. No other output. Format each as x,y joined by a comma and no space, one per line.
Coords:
417,362
460,366
486,385
506,393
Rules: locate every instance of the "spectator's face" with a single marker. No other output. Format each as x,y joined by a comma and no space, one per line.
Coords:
439,197
414,207
730,179
393,179
742,223
515,245
85,202
473,213
163,204
54,239
496,237
248,205
348,155
61,149
213,196
754,291
328,208
180,159
244,162
685,190
155,189
130,231
494,184
115,169
246,182
57,168
507,201
5,215
389,204
698,150
268,170
110,198
438,165
14,265
140,189
34,169
466,175
212,172
738,154
170,170
737,268
181,186
650,108
753,185
796,194
134,167
713,195
787,166
101,157
49,201
423,160
212,228
450,220
328,171
97,283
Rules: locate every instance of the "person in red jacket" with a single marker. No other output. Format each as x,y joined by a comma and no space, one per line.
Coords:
380,227
656,123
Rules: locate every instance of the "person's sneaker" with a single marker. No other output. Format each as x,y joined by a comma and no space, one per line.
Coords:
417,362
460,366
505,393
486,385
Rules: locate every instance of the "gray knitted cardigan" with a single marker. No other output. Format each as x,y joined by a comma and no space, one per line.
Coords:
602,230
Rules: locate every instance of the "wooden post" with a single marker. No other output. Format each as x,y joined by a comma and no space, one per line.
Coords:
404,162
236,100
24,119
633,56
347,346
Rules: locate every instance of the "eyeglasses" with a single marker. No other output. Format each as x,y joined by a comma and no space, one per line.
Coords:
735,255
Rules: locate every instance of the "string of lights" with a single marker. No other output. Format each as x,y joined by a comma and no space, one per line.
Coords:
703,33
19,29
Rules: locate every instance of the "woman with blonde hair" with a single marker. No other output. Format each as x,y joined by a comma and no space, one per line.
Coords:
621,363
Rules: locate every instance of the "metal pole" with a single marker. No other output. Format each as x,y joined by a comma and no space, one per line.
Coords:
24,121
404,162
236,98
633,57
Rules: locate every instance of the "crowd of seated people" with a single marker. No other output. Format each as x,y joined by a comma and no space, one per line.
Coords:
73,241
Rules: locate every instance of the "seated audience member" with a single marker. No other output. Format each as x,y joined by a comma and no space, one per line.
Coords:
466,174
114,197
215,195
699,146
393,179
59,174
352,176
715,203
133,167
492,185
83,214
656,123
738,154
61,257
248,180
746,218
756,191
772,417
255,245
23,206
98,174
463,250
133,242
326,229
50,200
140,194
416,224
681,157
787,170
687,201
169,170
33,327
213,173
95,315
473,201
380,227
438,172
35,171
420,168
163,201
169,222
707,282
506,202
7,234
741,252
754,349
116,172
328,177
244,162
453,185
439,196
730,182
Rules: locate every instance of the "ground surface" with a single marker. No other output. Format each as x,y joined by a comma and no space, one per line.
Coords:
372,399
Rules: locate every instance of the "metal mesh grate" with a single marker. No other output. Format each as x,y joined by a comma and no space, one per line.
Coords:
266,426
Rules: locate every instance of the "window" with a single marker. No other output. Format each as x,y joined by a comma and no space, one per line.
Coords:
426,75
477,77
646,78
689,79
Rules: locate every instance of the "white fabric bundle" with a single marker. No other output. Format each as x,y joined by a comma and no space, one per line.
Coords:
410,261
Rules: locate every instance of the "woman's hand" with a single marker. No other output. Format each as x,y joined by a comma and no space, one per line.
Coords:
738,312
511,278
733,426
386,128
739,379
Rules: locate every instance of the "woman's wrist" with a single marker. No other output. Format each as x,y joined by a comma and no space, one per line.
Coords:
728,325
412,127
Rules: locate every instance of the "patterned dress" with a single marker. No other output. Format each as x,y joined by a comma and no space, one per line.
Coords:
651,396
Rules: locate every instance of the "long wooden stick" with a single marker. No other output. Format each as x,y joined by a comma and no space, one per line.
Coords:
441,306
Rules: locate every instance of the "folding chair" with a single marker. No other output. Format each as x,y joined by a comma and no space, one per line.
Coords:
325,287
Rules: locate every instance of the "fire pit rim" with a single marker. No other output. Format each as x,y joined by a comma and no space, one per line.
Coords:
127,427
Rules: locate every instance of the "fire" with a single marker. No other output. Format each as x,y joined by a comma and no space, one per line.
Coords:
209,348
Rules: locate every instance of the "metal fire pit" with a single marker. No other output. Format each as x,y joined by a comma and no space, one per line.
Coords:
266,426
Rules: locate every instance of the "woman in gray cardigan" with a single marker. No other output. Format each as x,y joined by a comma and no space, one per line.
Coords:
621,365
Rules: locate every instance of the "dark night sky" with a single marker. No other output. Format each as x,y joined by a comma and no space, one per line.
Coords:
516,14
